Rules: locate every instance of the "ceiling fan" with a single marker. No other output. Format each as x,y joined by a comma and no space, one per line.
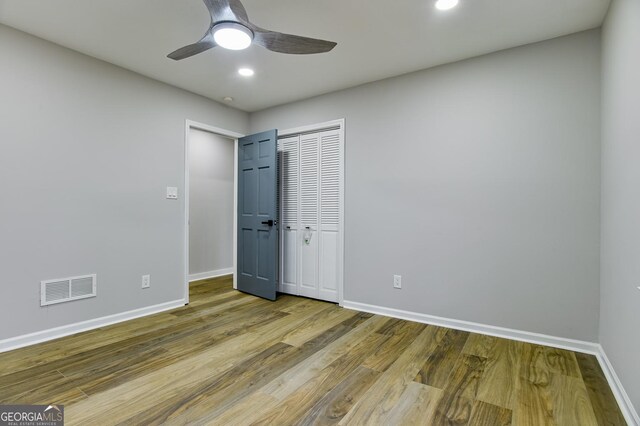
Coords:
230,28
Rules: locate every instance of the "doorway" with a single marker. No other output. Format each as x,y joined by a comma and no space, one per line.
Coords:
210,203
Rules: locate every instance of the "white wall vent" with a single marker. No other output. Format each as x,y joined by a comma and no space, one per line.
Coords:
67,289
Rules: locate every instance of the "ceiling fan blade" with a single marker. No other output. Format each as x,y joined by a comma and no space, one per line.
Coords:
293,44
193,49
226,10
238,9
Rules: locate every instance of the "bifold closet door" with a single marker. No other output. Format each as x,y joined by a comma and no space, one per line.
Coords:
310,176
309,204
329,228
288,163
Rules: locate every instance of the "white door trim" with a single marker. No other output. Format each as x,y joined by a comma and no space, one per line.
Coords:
333,124
190,124
313,128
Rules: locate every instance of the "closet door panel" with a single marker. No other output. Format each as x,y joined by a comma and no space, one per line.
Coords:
289,166
309,266
290,256
330,159
309,205
328,289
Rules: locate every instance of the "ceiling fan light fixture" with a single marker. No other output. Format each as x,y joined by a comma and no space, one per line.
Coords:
446,4
230,28
232,36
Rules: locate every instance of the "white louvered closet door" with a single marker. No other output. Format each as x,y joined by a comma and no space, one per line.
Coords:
288,165
309,203
328,233
310,194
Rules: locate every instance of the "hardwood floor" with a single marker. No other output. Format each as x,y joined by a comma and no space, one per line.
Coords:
233,359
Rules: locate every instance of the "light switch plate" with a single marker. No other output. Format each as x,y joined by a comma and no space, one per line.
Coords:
172,193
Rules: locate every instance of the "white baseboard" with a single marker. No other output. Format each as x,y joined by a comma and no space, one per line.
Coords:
210,274
66,330
626,406
491,330
629,412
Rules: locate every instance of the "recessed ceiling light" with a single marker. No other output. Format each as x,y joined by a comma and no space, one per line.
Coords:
246,72
232,35
227,99
446,4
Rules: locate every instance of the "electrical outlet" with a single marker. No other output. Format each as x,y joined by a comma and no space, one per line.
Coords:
146,281
397,281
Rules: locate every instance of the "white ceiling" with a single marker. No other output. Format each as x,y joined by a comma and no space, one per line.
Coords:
376,39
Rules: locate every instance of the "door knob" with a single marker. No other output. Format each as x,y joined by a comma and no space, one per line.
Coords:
268,222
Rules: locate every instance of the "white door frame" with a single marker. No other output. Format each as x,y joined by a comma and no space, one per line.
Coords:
189,124
317,128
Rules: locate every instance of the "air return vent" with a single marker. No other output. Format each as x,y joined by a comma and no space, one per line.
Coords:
67,289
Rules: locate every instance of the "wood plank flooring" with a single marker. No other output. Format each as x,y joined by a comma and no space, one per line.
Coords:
233,359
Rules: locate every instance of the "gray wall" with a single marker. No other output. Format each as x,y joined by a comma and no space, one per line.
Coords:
86,152
478,182
210,202
620,306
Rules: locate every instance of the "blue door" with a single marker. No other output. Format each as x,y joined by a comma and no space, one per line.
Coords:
257,214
